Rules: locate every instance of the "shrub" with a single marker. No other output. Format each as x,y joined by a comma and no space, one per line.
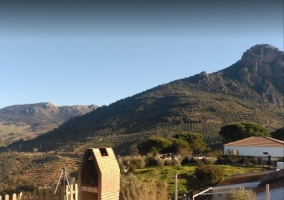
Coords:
241,193
130,163
132,187
168,161
160,162
209,172
150,160
185,160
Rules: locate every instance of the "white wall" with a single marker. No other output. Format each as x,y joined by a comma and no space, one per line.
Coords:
257,151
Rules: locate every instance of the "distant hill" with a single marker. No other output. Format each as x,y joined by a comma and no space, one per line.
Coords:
249,90
31,120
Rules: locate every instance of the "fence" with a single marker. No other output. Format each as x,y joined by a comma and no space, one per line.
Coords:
61,193
236,193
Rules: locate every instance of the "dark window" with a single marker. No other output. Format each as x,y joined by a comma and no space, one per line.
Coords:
265,153
103,151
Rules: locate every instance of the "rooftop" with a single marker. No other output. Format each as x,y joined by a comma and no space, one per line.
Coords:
274,179
257,142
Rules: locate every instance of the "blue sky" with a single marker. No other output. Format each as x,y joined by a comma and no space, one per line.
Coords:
86,53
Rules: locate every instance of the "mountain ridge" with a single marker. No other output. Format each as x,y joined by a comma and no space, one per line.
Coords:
249,90
44,111
27,121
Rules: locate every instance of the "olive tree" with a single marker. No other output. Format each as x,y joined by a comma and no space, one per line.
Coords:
195,140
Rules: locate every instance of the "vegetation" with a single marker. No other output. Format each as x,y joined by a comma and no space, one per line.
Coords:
209,172
195,140
242,130
133,188
183,143
192,177
26,171
187,182
241,193
36,169
278,134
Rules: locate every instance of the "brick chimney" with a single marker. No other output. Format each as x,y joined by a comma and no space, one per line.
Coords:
99,175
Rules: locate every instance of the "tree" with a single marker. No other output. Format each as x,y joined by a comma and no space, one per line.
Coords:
242,130
278,134
154,145
182,143
179,146
195,140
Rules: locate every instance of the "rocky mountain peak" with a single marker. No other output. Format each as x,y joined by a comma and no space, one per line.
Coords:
264,53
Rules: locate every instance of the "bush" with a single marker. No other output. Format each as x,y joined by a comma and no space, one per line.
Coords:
151,160
209,172
160,162
185,160
168,162
130,163
132,187
241,193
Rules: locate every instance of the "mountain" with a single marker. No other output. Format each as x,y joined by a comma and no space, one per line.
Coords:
249,90
34,119
42,113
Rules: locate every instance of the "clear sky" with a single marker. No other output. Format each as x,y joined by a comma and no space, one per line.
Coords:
70,53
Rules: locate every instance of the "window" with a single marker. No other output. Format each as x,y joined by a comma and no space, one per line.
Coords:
103,151
265,153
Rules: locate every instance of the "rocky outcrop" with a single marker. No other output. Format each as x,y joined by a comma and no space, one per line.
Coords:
261,68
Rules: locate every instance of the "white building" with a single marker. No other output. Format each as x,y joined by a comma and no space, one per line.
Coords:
255,146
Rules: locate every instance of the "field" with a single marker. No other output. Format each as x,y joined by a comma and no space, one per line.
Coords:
167,174
10,132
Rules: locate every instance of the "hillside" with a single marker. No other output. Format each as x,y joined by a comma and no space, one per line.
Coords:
249,90
29,120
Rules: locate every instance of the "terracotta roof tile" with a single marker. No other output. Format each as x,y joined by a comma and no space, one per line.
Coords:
257,142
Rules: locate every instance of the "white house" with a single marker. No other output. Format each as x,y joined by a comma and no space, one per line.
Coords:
255,146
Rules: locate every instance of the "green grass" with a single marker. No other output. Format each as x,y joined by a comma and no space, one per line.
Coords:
167,174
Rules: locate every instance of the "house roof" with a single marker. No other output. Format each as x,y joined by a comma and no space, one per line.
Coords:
274,179
260,141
